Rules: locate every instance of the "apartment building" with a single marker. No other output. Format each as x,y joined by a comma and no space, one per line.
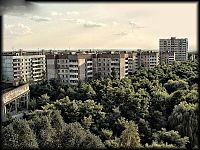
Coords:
80,66
173,45
193,56
70,68
23,68
110,61
73,67
138,58
167,57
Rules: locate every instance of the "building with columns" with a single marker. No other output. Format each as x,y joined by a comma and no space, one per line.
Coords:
15,100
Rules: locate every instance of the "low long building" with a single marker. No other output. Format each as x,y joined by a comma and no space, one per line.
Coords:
15,100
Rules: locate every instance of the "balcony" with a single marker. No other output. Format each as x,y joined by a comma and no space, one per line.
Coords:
38,75
90,75
89,61
73,73
41,64
89,66
73,68
38,60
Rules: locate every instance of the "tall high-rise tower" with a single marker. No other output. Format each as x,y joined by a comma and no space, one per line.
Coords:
173,50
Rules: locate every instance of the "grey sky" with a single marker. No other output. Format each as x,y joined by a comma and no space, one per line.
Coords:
99,25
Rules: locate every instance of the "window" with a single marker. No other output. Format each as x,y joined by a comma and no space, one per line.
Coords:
74,61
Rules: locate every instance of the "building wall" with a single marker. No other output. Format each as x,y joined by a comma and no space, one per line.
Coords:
51,70
179,46
25,68
148,59
7,68
14,93
74,67
15,101
81,69
167,57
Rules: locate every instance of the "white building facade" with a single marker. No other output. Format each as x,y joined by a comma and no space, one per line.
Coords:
23,68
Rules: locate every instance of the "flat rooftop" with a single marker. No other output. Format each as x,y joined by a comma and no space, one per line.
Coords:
5,87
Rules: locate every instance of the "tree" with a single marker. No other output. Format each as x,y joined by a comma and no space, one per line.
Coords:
76,137
155,145
26,136
32,104
85,91
87,122
170,137
43,99
130,136
112,143
10,140
172,86
184,119
115,74
57,121
44,131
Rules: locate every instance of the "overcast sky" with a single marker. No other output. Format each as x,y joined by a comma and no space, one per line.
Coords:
98,25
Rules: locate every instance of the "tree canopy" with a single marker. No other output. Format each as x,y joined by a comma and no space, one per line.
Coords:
153,108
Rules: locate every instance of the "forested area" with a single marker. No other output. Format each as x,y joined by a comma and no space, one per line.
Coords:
153,108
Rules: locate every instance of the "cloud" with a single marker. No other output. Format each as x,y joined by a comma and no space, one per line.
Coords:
90,24
17,30
54,13
72,13
78,21
87,24
134,25
115,23
69,13
121,34
40,19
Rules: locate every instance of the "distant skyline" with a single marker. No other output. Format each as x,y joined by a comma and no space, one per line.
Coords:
98,25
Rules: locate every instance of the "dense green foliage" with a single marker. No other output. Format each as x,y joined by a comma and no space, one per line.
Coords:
153,108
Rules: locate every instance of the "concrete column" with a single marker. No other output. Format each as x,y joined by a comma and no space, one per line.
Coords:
27,100
5,111
24,98
15,105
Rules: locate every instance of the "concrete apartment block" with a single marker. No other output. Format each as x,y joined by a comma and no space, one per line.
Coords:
174,45
23,68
